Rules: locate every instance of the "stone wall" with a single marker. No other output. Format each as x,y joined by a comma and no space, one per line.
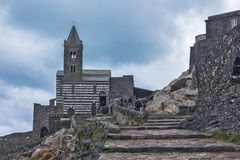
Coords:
218,25
46,117
122,87
219,96
141,93
12,142
126,116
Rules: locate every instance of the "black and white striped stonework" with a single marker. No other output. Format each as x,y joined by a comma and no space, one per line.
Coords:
81,95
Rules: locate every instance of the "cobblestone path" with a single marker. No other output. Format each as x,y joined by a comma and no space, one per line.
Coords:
162,139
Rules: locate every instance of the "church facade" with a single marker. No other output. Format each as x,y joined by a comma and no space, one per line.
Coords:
78,88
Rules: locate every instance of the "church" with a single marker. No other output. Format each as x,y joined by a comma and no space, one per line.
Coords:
78,88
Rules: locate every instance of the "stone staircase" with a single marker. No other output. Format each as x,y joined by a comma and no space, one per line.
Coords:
160,138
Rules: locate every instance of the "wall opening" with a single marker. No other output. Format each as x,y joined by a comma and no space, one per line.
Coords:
102,99
236,71
44,132
234,22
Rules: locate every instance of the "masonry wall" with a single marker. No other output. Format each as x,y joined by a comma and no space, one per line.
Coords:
220,24
46,116
141,93
219,97
122,87
14,141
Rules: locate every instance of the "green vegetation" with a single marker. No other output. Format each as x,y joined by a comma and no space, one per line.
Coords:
89,141
136,118
191,118
226,136
113,119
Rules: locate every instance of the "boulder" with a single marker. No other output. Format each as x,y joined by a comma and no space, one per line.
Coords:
179,92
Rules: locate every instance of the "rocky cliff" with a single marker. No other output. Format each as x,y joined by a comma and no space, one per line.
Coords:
178,97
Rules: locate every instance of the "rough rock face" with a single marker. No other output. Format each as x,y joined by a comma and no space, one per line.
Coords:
68,144
178,97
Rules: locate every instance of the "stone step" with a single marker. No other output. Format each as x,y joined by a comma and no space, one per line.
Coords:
164,120
157,134
162,124
171,156
149,127
173,145
132,137
159,117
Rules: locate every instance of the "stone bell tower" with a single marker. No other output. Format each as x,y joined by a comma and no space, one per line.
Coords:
73,57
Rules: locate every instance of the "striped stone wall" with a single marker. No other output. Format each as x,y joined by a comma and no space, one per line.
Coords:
81,95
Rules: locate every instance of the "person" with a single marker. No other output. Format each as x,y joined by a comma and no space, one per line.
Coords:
121,101
138,105
130,102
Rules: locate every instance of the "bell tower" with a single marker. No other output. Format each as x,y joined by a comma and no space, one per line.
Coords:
73,57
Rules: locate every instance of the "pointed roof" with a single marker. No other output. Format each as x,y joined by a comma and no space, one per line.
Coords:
73,38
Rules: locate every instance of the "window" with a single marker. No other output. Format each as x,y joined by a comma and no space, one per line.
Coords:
95,89
73,68
234,23
73,55
73,89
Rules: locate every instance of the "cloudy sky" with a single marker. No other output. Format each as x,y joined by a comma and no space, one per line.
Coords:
149,39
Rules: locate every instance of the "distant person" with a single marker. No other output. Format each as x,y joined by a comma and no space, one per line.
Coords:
125,103
130,102
121,101
138,105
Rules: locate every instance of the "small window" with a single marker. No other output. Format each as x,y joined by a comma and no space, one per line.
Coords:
95,89
73,68
234,23
73,89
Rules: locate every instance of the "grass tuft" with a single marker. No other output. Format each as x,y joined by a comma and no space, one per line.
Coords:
226,136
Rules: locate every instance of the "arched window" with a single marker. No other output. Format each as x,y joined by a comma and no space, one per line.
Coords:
73,55
71,112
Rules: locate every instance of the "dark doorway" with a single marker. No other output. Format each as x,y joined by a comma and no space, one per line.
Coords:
44,132
236,67
103,101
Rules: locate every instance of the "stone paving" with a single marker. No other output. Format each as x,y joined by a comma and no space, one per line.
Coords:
158,134
156,141
171,156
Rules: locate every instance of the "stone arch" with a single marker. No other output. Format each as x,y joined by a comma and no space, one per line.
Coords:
44,132
71,112
102,98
